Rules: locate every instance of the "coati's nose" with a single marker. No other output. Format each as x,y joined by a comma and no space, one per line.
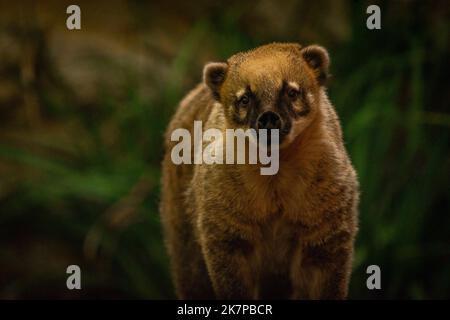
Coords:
269,120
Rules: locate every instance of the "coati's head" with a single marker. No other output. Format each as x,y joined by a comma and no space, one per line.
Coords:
276,86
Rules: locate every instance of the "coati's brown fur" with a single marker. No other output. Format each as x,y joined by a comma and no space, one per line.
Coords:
234,233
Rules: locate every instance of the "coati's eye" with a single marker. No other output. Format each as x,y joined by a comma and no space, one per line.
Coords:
292,93
244,100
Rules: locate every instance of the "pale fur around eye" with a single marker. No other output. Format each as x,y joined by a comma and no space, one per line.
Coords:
242,98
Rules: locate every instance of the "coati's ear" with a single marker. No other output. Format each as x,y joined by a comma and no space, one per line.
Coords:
214,76
318,60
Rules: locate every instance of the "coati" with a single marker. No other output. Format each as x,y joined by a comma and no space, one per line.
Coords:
233,233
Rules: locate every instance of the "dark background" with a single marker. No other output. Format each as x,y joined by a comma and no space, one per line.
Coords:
82,115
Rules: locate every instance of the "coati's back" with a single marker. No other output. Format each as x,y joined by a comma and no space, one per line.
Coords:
196,106
177,224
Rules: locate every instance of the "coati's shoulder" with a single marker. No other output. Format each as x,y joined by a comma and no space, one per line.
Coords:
331,121
196,105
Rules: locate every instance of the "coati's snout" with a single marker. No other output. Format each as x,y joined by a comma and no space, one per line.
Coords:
271,120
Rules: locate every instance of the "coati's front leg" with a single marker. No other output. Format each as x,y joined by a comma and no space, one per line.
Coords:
188,267
323,270
189,270
226,247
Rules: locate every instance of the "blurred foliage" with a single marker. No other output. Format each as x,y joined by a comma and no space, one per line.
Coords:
79,183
